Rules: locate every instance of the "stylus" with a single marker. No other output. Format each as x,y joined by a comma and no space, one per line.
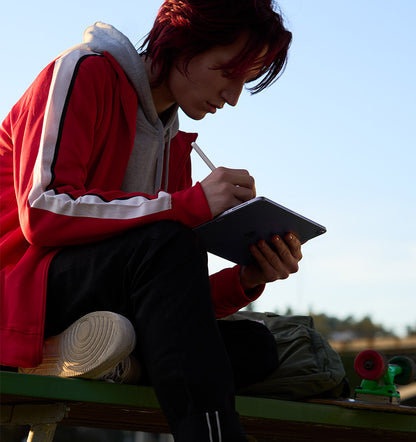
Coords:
202,155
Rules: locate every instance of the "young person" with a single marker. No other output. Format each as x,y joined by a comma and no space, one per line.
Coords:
97,209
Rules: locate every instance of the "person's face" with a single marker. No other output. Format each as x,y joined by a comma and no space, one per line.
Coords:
204,88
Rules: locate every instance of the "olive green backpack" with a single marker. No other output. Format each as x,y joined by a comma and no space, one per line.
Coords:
308,365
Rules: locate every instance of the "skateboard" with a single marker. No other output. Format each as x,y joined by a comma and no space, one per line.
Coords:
380,376
378,389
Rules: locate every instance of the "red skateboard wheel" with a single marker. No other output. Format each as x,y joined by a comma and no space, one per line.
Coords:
370,365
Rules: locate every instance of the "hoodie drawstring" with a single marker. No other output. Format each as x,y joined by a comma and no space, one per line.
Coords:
167,156
163,160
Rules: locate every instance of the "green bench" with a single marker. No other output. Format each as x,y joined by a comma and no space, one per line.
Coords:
43,402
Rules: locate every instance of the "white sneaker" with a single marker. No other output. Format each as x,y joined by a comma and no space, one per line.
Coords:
89,348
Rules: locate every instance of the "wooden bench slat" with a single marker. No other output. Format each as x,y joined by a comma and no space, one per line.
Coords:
136,408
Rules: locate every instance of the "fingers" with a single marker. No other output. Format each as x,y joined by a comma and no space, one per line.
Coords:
242,193
225,188
270,267
236,177
294,245
280,262
237,183
288,250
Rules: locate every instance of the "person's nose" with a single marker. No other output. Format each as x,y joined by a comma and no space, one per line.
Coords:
231,93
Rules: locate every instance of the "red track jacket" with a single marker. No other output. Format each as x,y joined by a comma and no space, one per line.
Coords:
64,150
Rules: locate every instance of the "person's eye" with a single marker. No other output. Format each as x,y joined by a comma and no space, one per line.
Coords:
226,73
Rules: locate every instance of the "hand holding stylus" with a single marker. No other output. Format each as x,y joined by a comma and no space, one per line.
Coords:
225,188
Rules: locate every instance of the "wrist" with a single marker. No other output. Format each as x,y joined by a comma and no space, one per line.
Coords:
245,282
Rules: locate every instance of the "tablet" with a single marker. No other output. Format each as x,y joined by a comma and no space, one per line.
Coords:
230,234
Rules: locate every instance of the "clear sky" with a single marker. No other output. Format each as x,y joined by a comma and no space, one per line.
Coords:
334,139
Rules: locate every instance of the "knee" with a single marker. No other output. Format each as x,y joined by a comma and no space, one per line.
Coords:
173,231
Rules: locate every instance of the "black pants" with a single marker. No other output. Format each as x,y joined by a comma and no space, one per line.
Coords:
157,277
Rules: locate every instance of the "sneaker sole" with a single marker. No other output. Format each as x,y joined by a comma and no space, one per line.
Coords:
89,348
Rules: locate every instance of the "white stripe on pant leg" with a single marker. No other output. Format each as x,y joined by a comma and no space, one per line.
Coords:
218,426
209,428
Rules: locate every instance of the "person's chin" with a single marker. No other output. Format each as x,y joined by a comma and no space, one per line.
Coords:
199,117
194,115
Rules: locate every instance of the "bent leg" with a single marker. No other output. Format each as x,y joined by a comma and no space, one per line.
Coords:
156,276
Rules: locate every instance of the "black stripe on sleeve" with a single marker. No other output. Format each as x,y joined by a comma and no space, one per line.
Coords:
62,120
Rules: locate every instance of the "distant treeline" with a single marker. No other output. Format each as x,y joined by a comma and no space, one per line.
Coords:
350,327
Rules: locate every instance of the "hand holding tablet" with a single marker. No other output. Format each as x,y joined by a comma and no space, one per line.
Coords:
230,234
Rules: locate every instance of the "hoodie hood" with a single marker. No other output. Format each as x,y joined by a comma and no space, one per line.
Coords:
152,140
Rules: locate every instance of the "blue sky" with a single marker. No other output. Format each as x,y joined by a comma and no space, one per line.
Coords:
333,139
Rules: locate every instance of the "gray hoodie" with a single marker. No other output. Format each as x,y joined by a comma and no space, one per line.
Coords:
152,140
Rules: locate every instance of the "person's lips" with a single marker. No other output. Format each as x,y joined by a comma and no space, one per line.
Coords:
213,107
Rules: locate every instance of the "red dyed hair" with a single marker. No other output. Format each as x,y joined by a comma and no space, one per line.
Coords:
185,28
